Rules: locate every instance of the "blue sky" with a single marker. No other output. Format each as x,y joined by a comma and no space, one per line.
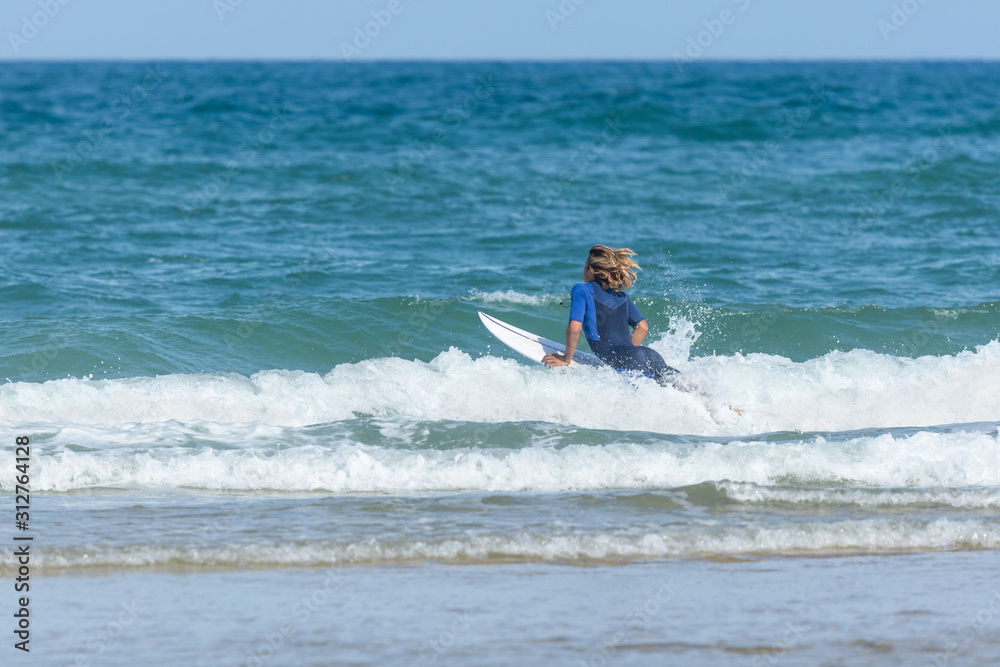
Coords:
499,29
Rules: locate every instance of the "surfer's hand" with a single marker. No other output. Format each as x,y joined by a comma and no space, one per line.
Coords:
553,360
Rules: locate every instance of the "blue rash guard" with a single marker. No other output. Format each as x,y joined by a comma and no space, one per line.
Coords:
606,316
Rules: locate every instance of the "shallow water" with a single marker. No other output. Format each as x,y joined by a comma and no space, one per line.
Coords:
861,610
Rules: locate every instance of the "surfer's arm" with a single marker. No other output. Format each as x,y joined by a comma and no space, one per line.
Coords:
639,333
637,322
572,338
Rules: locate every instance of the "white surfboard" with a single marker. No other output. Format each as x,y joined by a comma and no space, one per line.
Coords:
532,346
535,347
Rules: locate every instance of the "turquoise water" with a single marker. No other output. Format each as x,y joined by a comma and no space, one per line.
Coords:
354,198
240,323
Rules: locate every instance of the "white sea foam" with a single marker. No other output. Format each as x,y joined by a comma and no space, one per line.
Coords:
867,538
962,498
674,345
966,463
836,392
514,298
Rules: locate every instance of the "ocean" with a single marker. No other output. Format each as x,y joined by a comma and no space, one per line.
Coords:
266,426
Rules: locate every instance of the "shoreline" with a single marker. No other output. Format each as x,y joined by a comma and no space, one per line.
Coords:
701,612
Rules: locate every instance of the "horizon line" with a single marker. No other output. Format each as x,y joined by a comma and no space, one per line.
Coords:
514,60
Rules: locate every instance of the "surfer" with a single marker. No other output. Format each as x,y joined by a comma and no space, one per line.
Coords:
601,309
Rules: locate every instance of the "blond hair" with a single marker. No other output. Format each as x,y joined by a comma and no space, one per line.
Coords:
613,267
